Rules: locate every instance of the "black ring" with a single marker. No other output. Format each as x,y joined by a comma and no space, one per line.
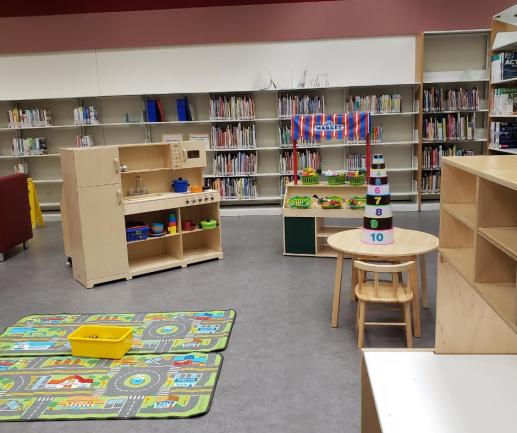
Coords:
378,180
372,201
378,223
378,166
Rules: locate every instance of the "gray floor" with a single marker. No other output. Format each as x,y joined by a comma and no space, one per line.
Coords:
285,370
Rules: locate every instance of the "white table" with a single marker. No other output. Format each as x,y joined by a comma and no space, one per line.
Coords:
417,391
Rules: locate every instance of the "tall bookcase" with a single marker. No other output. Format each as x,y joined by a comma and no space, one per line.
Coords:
451,61
503,38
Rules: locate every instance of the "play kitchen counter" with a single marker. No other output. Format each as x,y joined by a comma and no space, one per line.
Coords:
111,188
305,229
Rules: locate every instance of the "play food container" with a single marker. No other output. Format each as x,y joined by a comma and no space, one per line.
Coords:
180,185
310,180
137,233
95,341
196,188
355,180
339,179
208,224
299,202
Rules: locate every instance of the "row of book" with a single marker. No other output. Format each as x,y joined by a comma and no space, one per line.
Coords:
504,66
504,101
355,161
380,104
432,156
84,141
290,105
37,117
284,134
86,116
29,146
306,158
503,135
284,180
232,108
431,182
234,188
233,136
234,163
439,99
450,127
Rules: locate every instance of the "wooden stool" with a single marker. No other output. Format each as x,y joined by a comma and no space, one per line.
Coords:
383,292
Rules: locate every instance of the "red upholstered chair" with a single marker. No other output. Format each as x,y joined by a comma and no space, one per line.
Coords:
15,216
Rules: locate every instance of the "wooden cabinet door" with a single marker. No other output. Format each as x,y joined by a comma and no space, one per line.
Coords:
103,231
193,154
97,166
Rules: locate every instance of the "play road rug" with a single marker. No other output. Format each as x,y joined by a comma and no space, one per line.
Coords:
136,386
169,332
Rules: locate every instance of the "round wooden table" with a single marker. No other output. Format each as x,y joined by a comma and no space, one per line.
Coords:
408,245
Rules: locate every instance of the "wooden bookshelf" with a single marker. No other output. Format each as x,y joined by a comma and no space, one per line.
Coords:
443,68
96,240
501,31
478,249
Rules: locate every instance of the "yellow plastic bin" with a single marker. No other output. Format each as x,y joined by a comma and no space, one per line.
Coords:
95,341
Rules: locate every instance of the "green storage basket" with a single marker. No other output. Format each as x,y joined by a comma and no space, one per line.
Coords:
310,180
337,180
300,202
356,180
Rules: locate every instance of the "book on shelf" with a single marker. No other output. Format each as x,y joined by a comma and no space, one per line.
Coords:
355,161
378,104
234,188
504,101
184,109
432,156
504,66
306,159
503,135
29,146
233,136
449,127
440,99
21,167
33,118
84,141
153,110
431,182
232,108
230,163
289,105
86,116
284,180
284,133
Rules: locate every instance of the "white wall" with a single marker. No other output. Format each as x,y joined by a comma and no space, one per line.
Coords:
208,68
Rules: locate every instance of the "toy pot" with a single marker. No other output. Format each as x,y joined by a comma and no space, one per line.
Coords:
187,225
157,228
180,185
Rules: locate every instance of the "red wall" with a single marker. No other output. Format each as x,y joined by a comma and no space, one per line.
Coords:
268,22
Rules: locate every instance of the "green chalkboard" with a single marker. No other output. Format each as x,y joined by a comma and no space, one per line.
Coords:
299,235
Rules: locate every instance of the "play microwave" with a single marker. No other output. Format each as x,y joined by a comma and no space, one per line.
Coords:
188,154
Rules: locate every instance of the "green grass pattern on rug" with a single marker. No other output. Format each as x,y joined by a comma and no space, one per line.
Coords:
136,386
168,332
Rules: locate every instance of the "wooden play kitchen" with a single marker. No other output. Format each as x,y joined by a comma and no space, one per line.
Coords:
121,217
